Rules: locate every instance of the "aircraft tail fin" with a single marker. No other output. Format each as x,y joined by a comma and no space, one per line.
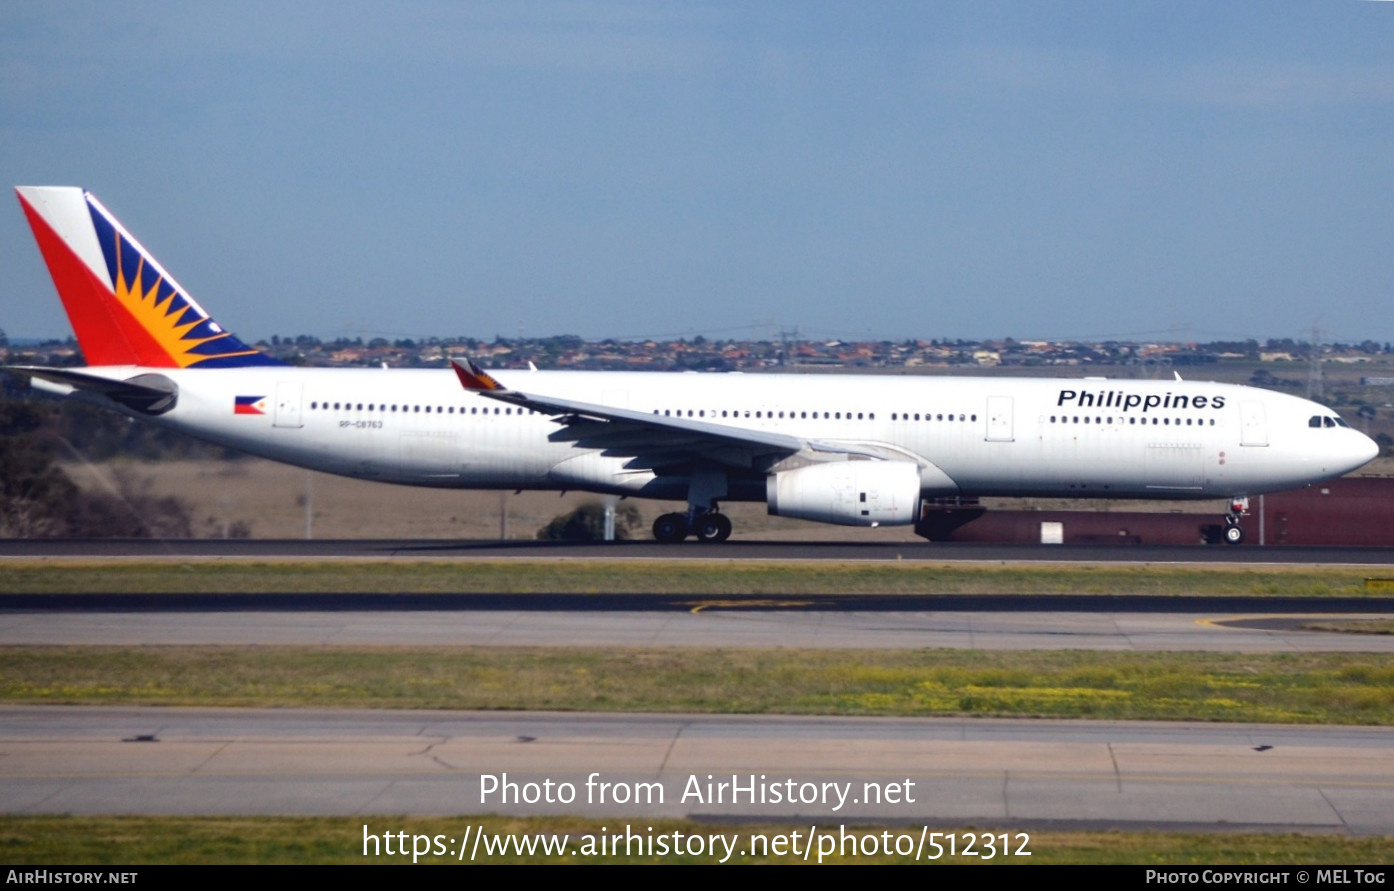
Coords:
124,307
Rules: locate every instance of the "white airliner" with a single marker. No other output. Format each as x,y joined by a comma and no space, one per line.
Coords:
855,451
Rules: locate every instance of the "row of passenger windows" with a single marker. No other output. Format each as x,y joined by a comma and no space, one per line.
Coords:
761,413
690,413
905,416
1315,421
438,409
805,415
1167,422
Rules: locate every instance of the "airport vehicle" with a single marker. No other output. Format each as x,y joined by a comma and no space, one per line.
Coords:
850,450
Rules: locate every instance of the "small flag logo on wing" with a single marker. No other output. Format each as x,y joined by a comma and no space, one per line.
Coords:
249,405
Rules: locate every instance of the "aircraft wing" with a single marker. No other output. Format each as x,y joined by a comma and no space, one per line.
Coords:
625,432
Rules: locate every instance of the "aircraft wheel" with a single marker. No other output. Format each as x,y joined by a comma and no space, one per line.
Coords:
1234,534
713,528
670,528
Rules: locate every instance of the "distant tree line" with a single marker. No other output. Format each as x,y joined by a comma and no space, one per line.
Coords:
39,500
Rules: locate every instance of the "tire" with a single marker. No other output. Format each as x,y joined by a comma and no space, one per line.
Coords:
713,528
1234,534
670,528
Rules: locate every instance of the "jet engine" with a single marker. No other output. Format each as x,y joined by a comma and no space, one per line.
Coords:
848,493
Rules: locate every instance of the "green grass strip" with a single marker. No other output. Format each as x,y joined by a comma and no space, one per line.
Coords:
131,841
1309,688
699,577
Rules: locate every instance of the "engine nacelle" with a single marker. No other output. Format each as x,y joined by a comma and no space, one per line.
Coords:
848,493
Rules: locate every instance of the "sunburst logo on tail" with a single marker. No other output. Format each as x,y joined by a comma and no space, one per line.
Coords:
179,326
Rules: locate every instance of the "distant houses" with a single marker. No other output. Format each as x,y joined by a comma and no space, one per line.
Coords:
701,354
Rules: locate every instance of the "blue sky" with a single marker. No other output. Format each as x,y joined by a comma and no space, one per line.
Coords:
891,170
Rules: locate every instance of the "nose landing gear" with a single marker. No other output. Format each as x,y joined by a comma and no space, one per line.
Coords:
1233,532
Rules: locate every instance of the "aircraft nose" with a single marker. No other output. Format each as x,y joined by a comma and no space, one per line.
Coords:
1363,450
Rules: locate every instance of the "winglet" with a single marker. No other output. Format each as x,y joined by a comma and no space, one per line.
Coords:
472,377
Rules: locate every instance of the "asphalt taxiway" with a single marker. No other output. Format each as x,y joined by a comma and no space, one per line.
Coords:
1008,774
445,549
717,625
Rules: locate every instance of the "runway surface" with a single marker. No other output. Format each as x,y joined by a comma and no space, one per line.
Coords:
1003,774
731,550
711,627
1008,774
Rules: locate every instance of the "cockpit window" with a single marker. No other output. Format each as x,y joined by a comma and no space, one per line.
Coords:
1326,421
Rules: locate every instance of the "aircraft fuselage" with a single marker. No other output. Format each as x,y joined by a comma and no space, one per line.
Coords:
989,436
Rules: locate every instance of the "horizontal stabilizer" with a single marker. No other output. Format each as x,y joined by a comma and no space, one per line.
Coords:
150,394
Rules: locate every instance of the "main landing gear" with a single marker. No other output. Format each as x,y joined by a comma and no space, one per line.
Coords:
703,520
709,526
1234,533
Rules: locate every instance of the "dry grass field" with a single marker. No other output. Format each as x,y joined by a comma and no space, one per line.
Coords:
267,500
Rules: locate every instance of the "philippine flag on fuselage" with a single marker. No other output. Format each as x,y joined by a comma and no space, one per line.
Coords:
249,405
